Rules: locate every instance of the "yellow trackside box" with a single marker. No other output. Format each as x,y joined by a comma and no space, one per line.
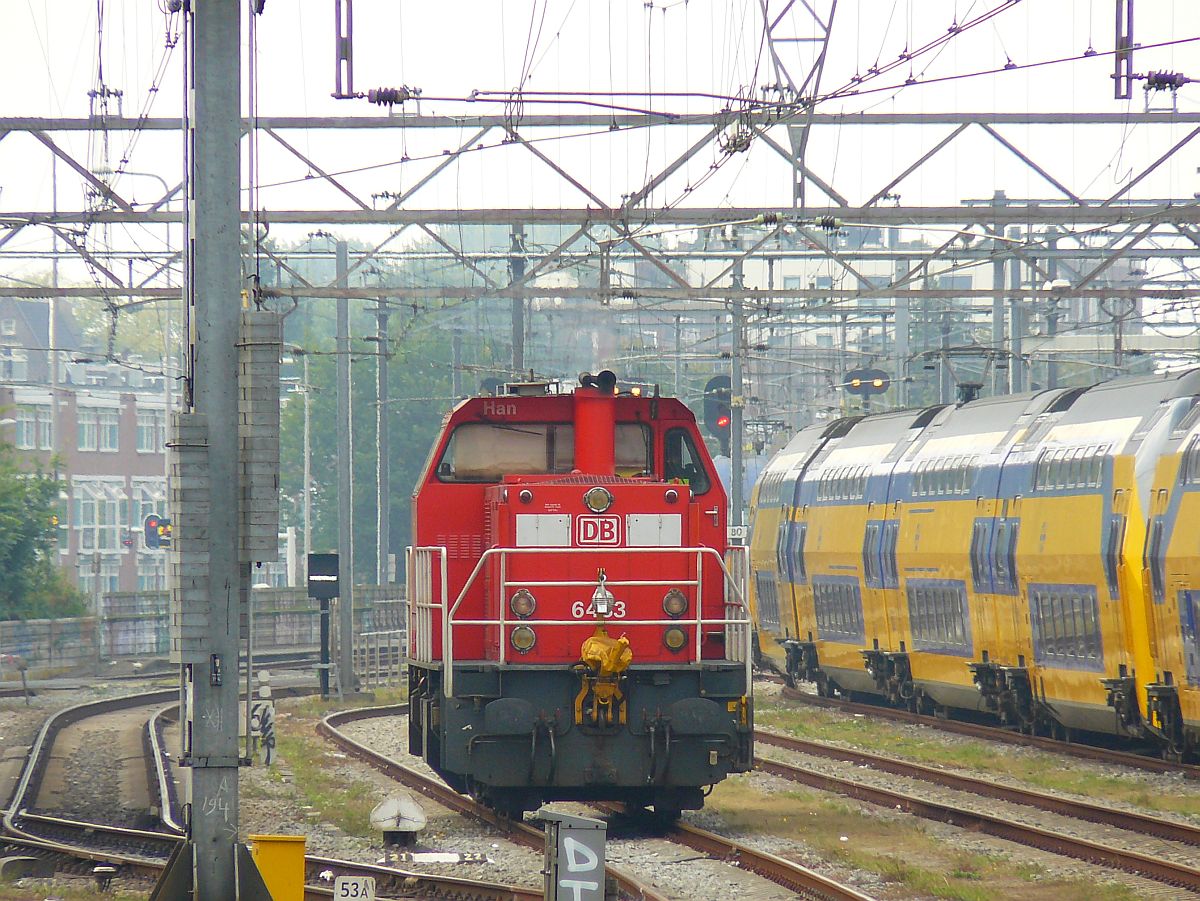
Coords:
280,861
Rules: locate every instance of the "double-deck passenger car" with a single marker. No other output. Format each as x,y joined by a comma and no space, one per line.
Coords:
1029,555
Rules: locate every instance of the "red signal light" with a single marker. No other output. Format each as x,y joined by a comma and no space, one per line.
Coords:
722,422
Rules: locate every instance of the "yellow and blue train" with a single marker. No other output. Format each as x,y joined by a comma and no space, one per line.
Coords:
1035,556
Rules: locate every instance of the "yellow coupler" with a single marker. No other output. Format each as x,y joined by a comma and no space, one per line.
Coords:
606,658
280,861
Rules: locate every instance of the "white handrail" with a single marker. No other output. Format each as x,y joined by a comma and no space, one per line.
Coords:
420,586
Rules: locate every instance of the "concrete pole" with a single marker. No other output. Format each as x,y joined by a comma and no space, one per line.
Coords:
840,376
678,350
456,382
217,282
516,265
1016,322
345,451
307,466
900,348
383,477
946,377
999,382
1052,315
737,421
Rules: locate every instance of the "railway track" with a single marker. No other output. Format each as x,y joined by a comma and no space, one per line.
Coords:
77,846
804,882
999,734
1156,866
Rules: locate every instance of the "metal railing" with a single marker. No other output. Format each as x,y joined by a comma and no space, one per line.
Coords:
736,621
379,657
422,563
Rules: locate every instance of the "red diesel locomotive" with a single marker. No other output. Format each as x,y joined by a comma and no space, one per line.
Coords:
577,625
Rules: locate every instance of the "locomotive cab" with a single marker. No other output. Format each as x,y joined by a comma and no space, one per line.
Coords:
578,628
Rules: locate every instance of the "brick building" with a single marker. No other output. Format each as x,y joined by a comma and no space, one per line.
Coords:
101,427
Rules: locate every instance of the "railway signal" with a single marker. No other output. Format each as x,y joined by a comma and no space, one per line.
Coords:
158,531
718,412
866,382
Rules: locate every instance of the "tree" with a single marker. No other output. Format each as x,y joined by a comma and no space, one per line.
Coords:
31,584
419,388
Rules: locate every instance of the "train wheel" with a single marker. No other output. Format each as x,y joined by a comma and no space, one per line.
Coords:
667,814
1172,753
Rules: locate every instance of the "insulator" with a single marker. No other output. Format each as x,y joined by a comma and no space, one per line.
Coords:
828,223
390,96
770,218
1165,81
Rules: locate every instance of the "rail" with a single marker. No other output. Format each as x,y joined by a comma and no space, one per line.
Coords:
422,561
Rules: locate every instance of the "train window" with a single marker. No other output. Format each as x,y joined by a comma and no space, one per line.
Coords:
1189,468
838,607
937,614
781,549
632,449
1004,557
1155,552
683,462
768,599
891,534
486,452
981,531
870,554
1066,626
1189,621
1113,541
799,570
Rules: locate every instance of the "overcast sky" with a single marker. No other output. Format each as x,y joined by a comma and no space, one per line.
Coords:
54,52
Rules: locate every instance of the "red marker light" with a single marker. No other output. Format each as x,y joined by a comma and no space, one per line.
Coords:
722,422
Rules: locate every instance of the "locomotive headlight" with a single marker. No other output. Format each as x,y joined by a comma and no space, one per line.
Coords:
674,603
675,638
522,603
598,499
602,601
523,639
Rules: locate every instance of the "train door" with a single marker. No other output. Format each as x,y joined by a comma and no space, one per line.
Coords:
993,617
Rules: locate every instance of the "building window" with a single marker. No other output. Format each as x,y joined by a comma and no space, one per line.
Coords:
26,429
87,421
152,572
109,422
100,512
110,575
35,427
14,365
151,431
8,327
45,426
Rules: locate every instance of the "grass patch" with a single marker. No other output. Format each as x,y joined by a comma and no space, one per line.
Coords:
10,892
901,851
1045,771
314,706
345,804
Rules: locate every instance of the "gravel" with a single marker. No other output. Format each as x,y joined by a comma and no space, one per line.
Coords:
676,870
277,807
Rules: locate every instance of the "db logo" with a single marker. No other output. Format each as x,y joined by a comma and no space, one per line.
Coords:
598,530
